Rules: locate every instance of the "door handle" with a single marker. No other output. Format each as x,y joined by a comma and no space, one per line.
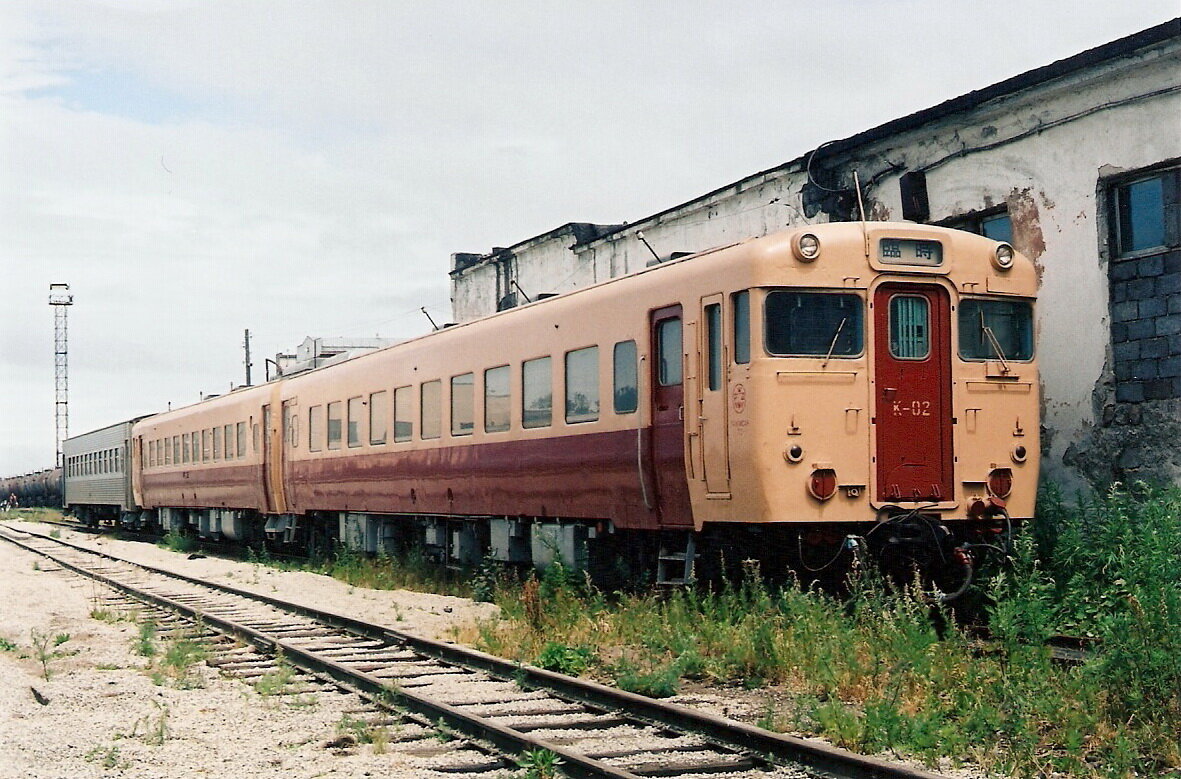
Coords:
680,413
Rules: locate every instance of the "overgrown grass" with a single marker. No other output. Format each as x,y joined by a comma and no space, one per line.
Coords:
410,571
884,669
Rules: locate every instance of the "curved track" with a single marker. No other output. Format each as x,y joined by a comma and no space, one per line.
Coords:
596,731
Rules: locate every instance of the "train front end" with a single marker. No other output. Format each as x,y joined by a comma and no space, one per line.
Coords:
892,398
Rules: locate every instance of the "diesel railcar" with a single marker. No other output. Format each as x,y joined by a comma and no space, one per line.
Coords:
784,398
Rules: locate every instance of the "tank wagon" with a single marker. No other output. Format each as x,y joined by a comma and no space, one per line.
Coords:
97,467
40,488
783,398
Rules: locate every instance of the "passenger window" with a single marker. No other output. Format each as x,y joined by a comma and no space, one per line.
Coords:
497,404
241,440
910,330
377,417
229,439
166,443
316,429
175,452
403,414
334,424
741,306
217,443
669,340
356,410
254,434
205,449
817,324
713,345
626,389
537,393
431,409
582,385
463,413
184,447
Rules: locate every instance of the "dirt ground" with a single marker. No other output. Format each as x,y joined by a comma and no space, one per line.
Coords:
102,715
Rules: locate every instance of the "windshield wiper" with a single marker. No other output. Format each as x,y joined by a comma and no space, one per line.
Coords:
994,343
833,344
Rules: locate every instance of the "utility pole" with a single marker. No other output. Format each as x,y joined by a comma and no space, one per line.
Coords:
61,299
248,363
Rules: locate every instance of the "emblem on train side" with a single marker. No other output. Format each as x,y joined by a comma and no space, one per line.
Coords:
738,398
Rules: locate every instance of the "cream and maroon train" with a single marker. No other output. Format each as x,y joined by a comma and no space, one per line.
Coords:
781,397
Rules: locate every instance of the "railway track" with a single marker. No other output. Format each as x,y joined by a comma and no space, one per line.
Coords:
507,709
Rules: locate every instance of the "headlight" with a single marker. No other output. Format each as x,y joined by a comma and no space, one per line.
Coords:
1003,257
806,247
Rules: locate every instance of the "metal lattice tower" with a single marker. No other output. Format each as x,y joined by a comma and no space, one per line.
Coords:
61,299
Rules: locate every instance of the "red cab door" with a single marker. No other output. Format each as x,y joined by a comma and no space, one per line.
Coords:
912,368
668,417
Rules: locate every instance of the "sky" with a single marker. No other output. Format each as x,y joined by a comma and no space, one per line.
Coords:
197,169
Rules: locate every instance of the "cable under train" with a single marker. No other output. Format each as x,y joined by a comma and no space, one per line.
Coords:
790,398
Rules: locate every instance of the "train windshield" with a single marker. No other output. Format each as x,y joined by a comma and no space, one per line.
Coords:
814,324
996,329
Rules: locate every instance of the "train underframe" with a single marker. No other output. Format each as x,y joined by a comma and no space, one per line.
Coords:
904,543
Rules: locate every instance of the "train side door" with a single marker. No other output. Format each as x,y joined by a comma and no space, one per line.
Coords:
711,417
668,416
288,442
912,366
267,457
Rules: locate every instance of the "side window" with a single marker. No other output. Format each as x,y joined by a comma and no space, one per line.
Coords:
167,443
463,412
431,409
217,443
184,448
668,372
537,393
625,390
356,411
241,440
740,305
582,385
497,403
316,429
175,451
229,441
378,409
403,413
713,345
335,433
205,448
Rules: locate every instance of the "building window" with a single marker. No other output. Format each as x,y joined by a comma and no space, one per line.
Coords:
1144,274
994,224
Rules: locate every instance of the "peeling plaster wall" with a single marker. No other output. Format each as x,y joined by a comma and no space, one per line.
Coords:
1041,152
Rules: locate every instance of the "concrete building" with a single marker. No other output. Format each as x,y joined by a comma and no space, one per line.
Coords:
1078,163
318,352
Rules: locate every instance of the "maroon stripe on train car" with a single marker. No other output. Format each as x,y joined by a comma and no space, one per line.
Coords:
206,486
589,476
